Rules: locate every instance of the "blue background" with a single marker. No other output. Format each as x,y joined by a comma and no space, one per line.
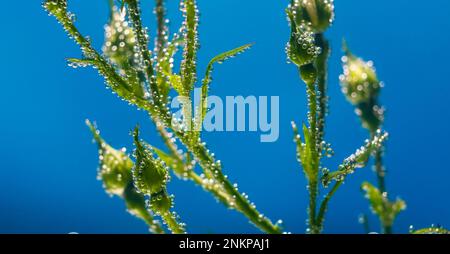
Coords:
48,162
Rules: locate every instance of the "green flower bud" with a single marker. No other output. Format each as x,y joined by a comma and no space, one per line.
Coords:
308,73
318,13
359,81
301,48
119,40
135,203
160,202
115,166
150,174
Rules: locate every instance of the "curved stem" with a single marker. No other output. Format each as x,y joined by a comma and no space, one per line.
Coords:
324,205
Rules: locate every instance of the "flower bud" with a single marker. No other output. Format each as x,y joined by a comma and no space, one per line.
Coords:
119,40
359,81
150,174
308,73
160,202
135,203
318,13
115,166
301,48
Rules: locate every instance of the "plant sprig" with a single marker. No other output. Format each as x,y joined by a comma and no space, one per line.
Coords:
153,76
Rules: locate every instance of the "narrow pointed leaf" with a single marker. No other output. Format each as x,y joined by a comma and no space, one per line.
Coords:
207,80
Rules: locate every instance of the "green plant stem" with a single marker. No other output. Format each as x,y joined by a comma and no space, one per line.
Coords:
313,181
321,65
313,191
155,228
172,224
379,169
324,205
161,40
380,172
142,43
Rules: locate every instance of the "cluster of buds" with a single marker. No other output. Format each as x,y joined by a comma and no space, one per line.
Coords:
361,86
115,173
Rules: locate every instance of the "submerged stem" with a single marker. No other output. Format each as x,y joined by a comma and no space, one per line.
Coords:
324,205
174,226
313,180
161,39
242,204
380,172
322,76
379,169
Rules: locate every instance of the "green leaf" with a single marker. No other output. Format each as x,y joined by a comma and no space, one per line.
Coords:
76,63
304,151
386,210
177,83
209,69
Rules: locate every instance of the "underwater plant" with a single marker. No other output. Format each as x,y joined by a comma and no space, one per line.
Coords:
144,79
147,79
361,87
309,50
